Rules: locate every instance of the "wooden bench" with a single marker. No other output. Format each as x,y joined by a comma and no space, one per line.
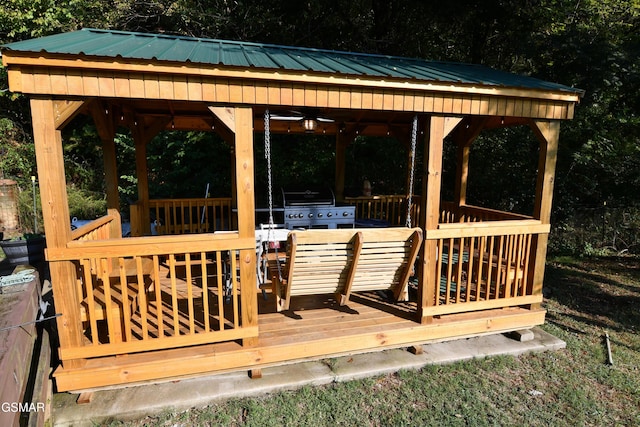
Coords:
345,261
117,305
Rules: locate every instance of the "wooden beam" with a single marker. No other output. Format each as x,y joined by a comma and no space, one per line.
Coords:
430,212
57,224
104,120
147,127
548,133
243,127
450,124
226,116
65,110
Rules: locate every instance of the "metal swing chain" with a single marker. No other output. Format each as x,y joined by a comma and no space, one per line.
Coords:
267,155
414,138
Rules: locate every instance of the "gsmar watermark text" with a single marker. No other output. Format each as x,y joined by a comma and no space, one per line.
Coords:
22,407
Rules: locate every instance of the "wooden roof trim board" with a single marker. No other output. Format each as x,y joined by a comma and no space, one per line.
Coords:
123,85
22,62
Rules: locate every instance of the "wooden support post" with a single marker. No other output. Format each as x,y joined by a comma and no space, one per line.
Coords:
143,132
225,126
466,132
246,217
341,149
462,174
104,121
430,213
548,133
142,175
234,189
57,224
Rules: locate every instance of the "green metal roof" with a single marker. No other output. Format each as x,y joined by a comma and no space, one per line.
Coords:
159,47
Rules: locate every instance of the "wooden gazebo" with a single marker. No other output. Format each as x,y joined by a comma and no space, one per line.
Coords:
150,307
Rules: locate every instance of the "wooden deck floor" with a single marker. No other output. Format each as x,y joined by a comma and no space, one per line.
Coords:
315,327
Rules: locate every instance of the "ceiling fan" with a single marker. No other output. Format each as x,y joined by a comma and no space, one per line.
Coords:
309,120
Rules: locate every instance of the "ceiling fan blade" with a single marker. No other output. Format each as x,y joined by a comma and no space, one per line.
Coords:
324,120
286,118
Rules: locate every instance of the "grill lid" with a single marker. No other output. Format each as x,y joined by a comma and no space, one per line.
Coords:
308,197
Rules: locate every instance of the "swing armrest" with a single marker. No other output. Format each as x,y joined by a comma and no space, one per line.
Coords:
275,265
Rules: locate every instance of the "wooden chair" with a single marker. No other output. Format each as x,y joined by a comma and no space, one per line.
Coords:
346,261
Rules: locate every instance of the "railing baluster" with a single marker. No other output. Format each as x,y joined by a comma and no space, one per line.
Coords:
142,298
439,248
234,287
449,269
205,290
219,274
113,325
472,241
174,295
124,290
459,271
190,294
91,303
158,292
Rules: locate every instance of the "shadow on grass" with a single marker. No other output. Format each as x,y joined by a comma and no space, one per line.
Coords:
602,293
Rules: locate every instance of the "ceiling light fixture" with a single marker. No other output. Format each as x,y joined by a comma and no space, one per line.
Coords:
309,125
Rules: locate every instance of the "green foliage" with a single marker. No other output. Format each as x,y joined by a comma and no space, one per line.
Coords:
181,164
17,153
591,44
503,167
383,161
85,204
23,19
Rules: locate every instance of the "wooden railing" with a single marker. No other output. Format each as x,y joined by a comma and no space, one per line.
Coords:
483,265
140,293
98,229
195,215
389,208
483,256
181,216
450,212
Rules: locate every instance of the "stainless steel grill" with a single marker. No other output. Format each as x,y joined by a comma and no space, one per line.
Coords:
315,208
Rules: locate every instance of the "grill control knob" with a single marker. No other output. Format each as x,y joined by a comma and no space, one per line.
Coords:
329,214
291,215
345,213
319,215
310,215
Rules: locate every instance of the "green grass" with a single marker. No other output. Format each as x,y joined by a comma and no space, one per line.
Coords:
574,386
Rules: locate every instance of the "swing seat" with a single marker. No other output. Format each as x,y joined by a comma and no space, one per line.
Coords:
346,260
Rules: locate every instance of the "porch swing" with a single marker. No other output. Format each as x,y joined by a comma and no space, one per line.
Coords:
341,261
